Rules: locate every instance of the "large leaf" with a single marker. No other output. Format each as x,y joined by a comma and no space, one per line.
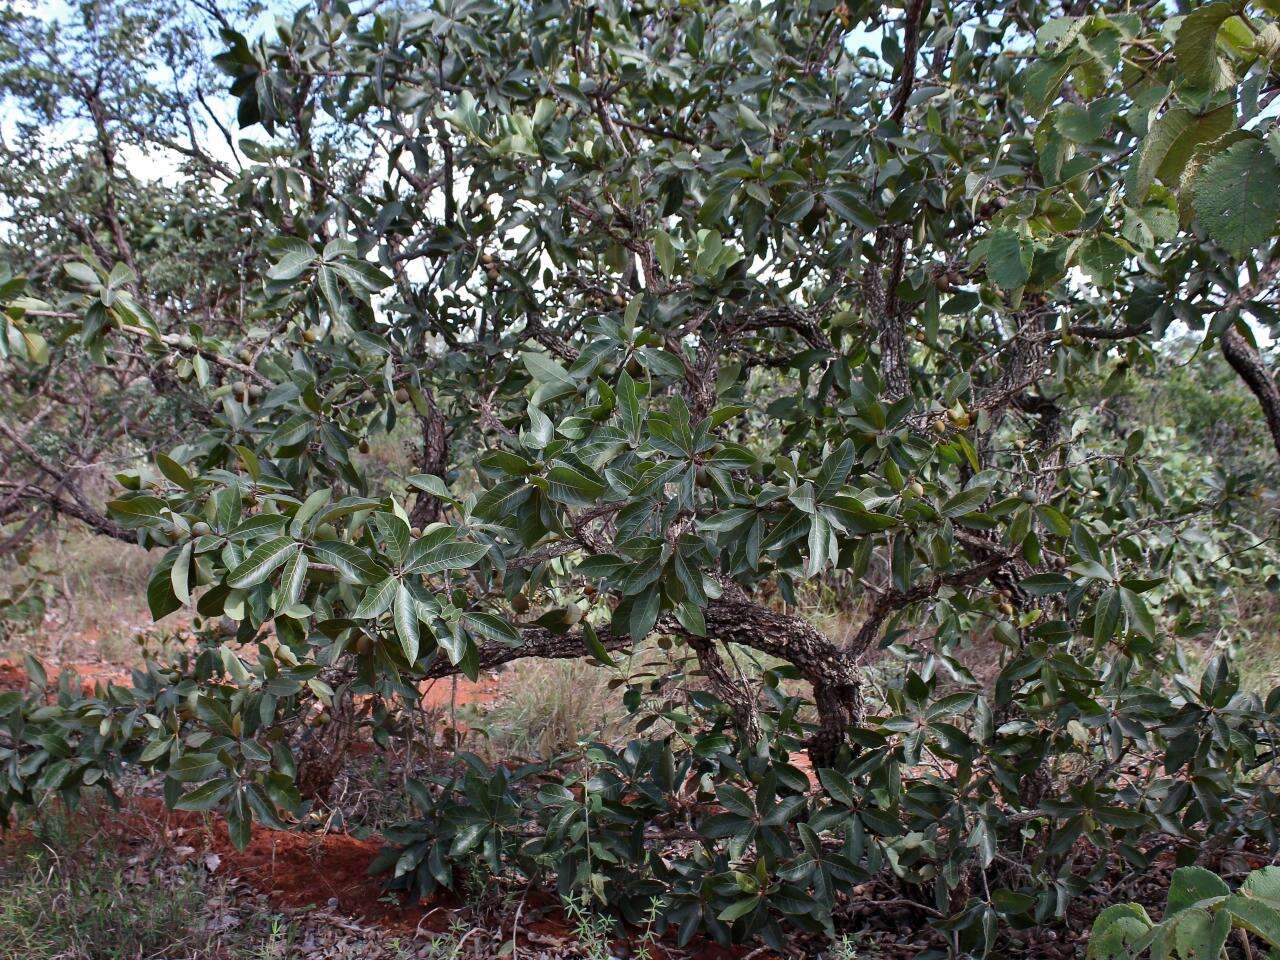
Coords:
450,555
352,563
1170,143
1237,196
405,613
1196,46
261,563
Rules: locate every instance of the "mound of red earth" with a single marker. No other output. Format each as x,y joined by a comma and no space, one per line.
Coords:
298,870
12,677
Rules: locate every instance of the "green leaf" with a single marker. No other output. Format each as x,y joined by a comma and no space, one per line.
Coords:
450,555
298,256
591,640
179,573
573,486
174,471
1191,885
1170,143
1044,584
1116,929
1263,884
739,909
405,614
1200,935
1009,259
491,627
1259,917
377,599
161,598
261,563
1196,47
966,501
352,563
1237,196
292,580
208,796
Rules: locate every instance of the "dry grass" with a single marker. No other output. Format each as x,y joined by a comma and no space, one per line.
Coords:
94,592
547,708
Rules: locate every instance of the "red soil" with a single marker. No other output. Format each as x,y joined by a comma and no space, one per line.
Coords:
299,870
12,677
441,693
294,869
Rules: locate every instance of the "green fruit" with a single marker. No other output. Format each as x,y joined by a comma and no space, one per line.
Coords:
200,528
572,614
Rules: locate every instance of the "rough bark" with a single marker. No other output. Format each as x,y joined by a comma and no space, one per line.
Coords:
826,667
433,458
737,695
1250,367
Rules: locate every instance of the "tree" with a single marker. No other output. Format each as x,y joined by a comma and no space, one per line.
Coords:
694,305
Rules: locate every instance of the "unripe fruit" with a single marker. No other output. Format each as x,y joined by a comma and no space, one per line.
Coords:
572,614
914,489
200,528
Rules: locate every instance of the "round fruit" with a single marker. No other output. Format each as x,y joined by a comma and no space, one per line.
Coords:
915,488
402,395
520,603
364,445
415,532
200,528
572,614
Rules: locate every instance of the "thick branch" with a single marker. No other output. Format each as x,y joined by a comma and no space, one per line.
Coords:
1249,365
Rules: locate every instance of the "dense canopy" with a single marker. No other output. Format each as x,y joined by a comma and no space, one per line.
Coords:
697,313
